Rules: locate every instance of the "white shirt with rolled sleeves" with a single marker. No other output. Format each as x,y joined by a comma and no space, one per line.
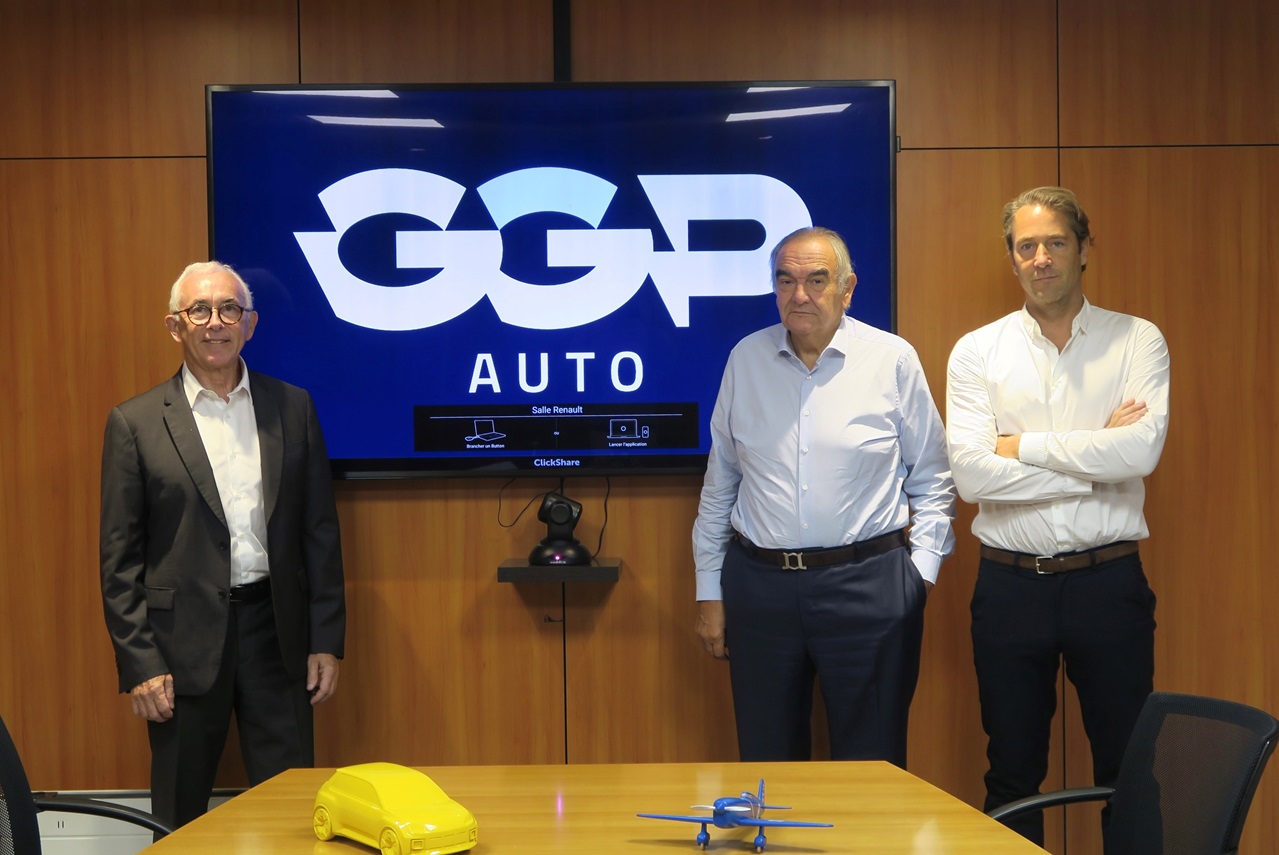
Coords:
1077,484
848,451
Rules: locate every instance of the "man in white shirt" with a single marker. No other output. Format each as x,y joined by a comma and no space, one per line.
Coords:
221,561
1055,413
826,448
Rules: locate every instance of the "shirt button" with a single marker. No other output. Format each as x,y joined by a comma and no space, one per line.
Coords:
804,449
805,488
805,526
805,412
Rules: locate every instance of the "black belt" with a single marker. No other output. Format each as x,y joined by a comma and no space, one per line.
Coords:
252,592
808,559
1063,562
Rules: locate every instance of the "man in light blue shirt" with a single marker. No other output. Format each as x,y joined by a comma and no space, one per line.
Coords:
824,518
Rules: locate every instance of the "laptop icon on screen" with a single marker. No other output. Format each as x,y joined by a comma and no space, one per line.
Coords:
484,431
622,429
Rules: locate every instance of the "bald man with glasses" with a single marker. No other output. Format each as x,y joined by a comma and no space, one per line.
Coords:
221,561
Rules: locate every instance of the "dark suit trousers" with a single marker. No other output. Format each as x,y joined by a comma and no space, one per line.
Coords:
273,716
856,627
1101,622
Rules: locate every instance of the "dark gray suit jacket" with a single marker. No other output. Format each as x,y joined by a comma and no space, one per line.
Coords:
165,547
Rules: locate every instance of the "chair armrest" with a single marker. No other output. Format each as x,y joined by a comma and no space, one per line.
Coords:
1053,799
94,807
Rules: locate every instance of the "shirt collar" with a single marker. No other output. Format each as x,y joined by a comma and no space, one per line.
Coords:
1078,325
838,344
192,388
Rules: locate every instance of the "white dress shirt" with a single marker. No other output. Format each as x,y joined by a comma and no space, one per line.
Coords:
802,459
229,431
1076,484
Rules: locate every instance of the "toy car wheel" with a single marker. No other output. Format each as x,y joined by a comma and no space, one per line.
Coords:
322,823
388,842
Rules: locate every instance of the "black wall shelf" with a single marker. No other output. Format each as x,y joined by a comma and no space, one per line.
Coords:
519,570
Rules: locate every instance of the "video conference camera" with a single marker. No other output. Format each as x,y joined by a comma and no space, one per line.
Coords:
560,514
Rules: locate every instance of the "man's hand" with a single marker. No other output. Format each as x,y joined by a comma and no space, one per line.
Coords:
321,676
153,699
710,627
1129,412
1009,446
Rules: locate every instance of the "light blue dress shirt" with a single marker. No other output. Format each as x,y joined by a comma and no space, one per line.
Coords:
802,459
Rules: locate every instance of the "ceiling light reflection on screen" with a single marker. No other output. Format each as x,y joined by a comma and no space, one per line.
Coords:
331,93
787,114
376,122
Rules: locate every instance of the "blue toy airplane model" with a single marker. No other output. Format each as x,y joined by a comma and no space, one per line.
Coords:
734,811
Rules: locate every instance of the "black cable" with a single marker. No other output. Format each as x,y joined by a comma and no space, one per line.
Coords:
512,523
608,488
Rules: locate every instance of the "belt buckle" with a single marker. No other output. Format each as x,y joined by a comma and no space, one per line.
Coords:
1039,558
798,557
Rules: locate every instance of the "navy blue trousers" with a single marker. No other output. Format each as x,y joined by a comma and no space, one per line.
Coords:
1101,622
857,628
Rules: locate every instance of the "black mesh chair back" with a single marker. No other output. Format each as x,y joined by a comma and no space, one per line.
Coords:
1188,776
19,831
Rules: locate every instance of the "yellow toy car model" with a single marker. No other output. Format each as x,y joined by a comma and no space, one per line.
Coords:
394,809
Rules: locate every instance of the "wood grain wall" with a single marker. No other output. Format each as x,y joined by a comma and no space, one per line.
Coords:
1163,116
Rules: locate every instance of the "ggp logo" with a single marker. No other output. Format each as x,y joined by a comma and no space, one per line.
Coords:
620,259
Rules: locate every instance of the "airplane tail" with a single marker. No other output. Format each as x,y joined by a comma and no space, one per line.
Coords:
762,805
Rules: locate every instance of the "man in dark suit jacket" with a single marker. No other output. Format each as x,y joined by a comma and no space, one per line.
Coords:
221,560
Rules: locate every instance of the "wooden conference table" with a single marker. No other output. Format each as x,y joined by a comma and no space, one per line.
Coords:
876,808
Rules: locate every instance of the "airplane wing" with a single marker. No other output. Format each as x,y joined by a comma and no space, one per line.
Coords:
779,823
706,819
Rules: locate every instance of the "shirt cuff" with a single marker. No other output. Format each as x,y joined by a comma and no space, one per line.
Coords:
1033,448
927,563
708,585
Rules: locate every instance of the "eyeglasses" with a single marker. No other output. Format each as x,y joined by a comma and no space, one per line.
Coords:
201,313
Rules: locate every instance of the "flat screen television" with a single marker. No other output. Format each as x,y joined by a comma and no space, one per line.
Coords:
533,279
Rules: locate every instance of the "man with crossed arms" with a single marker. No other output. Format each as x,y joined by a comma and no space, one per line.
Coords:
1055,413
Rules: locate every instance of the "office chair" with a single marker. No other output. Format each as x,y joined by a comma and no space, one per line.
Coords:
19,831
1186,780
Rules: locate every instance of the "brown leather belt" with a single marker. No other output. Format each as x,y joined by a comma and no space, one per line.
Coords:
1063,562
808,559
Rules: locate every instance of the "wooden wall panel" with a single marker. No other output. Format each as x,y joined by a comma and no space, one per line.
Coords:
1187,237
409,41
87,79
954,63
1169,72
444,665
88,250
640,686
